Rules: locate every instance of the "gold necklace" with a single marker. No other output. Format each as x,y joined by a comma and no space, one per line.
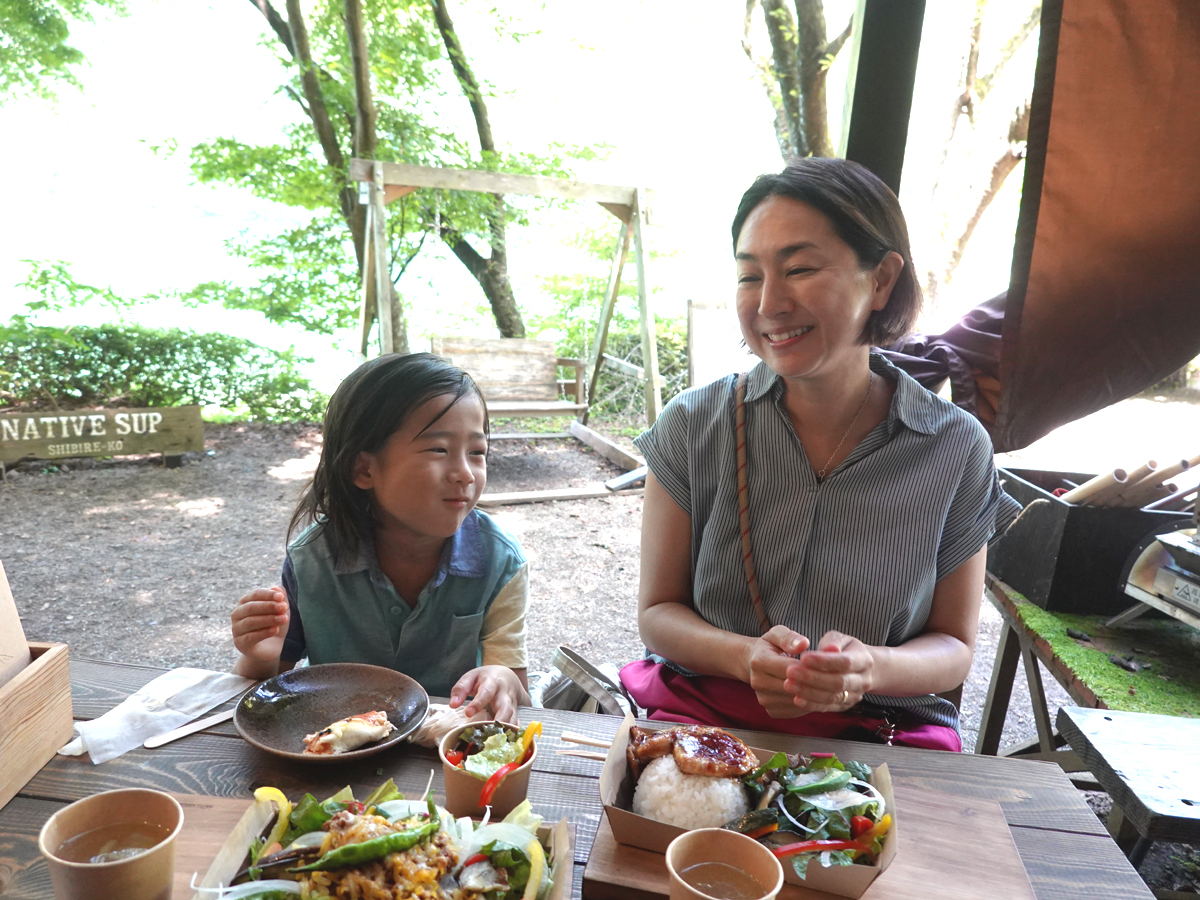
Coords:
867,396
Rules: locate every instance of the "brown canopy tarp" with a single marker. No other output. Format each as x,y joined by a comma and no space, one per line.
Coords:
1104,299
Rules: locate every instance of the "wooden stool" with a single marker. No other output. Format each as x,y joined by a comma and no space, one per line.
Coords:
1148,765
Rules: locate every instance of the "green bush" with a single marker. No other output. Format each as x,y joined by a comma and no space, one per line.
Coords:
127,365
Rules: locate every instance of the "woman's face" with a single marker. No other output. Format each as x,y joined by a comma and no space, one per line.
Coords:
802,298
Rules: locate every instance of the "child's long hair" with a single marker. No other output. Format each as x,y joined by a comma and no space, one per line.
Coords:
368,408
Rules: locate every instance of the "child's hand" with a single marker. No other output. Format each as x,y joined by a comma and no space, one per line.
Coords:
260,623
490,687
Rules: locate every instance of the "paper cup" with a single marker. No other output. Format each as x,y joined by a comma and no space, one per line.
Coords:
719,845
463,788
146,876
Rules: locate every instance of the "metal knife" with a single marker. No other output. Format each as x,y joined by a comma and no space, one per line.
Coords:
190,728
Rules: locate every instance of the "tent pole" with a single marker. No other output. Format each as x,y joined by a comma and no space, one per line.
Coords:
366,314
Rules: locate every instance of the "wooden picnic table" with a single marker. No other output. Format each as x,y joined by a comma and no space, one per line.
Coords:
1065,849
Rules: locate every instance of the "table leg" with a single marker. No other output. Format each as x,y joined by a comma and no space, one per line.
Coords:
995,709
1037,699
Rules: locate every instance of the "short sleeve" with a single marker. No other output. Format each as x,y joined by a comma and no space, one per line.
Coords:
502,638
293,642
980,511
665,446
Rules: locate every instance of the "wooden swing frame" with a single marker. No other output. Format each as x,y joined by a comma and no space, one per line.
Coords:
388,181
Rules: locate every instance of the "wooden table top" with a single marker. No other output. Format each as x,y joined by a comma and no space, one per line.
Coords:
1065,849
1146,762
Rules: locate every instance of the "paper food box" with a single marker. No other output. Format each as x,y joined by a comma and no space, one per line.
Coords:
255,822
616,793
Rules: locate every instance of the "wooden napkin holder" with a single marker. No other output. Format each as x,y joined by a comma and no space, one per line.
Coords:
35,707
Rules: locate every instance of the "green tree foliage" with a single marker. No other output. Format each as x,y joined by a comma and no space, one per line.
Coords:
35,55
127,365
310,275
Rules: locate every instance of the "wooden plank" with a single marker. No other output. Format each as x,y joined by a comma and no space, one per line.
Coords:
930,828
1066,866
517,409
367,304
632,477
100,432
626,368
506,370
614,453
529,435
649,334
23,872
488,501
606,310
382,266
1147,763
492,182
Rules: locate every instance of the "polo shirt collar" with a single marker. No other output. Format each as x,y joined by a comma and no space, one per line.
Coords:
462,556
912,405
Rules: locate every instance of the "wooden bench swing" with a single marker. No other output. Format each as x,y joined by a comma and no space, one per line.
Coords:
519,378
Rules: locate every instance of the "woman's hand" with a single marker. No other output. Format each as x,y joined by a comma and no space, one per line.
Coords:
259,624
767,662
831,678
490,687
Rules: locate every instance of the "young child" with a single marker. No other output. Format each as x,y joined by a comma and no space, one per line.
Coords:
397,567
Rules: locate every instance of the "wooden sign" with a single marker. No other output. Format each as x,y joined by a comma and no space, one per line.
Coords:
59,434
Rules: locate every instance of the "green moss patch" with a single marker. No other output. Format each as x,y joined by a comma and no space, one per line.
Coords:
1171,686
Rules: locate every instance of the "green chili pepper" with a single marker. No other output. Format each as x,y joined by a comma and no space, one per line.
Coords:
377,848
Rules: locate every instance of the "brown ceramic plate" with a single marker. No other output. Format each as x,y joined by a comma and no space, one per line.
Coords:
276,715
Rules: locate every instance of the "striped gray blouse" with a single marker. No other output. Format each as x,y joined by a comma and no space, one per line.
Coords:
859,552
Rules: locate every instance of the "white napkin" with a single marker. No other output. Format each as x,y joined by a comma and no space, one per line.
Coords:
170,700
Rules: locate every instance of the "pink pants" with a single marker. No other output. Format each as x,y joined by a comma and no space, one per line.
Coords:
711,700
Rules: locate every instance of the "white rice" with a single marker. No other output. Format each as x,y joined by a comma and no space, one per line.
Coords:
687,801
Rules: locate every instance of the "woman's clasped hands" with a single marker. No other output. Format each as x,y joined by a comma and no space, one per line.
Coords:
791,680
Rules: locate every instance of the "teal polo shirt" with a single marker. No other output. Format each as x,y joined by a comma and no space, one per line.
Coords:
352,613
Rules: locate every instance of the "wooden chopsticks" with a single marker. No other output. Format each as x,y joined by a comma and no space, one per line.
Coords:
571,737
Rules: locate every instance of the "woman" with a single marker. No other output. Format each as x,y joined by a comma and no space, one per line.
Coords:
868,501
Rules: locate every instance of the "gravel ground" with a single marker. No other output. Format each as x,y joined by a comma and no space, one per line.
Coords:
131,562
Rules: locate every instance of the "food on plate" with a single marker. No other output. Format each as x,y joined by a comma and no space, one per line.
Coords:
490,751
803,808
815,808
697,750
688,776
349,734
389,848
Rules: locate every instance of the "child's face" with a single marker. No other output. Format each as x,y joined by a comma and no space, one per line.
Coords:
425,482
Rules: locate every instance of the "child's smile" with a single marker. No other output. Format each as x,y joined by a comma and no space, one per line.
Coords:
429,475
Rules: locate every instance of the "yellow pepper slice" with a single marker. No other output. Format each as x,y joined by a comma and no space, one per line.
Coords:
537,863
285,810
534,729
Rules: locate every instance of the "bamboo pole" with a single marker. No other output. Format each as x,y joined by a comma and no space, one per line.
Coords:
1089,489
1116,495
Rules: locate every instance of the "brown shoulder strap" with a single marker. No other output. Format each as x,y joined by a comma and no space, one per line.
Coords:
743,493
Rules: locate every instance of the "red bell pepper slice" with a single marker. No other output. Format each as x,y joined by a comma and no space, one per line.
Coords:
489,787
478,857
817,846
860,825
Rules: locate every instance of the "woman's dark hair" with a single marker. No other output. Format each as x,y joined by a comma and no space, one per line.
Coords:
865,214
368,408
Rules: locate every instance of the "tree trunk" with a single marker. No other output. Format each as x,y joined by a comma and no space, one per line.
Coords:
491,273
364,147
800,58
